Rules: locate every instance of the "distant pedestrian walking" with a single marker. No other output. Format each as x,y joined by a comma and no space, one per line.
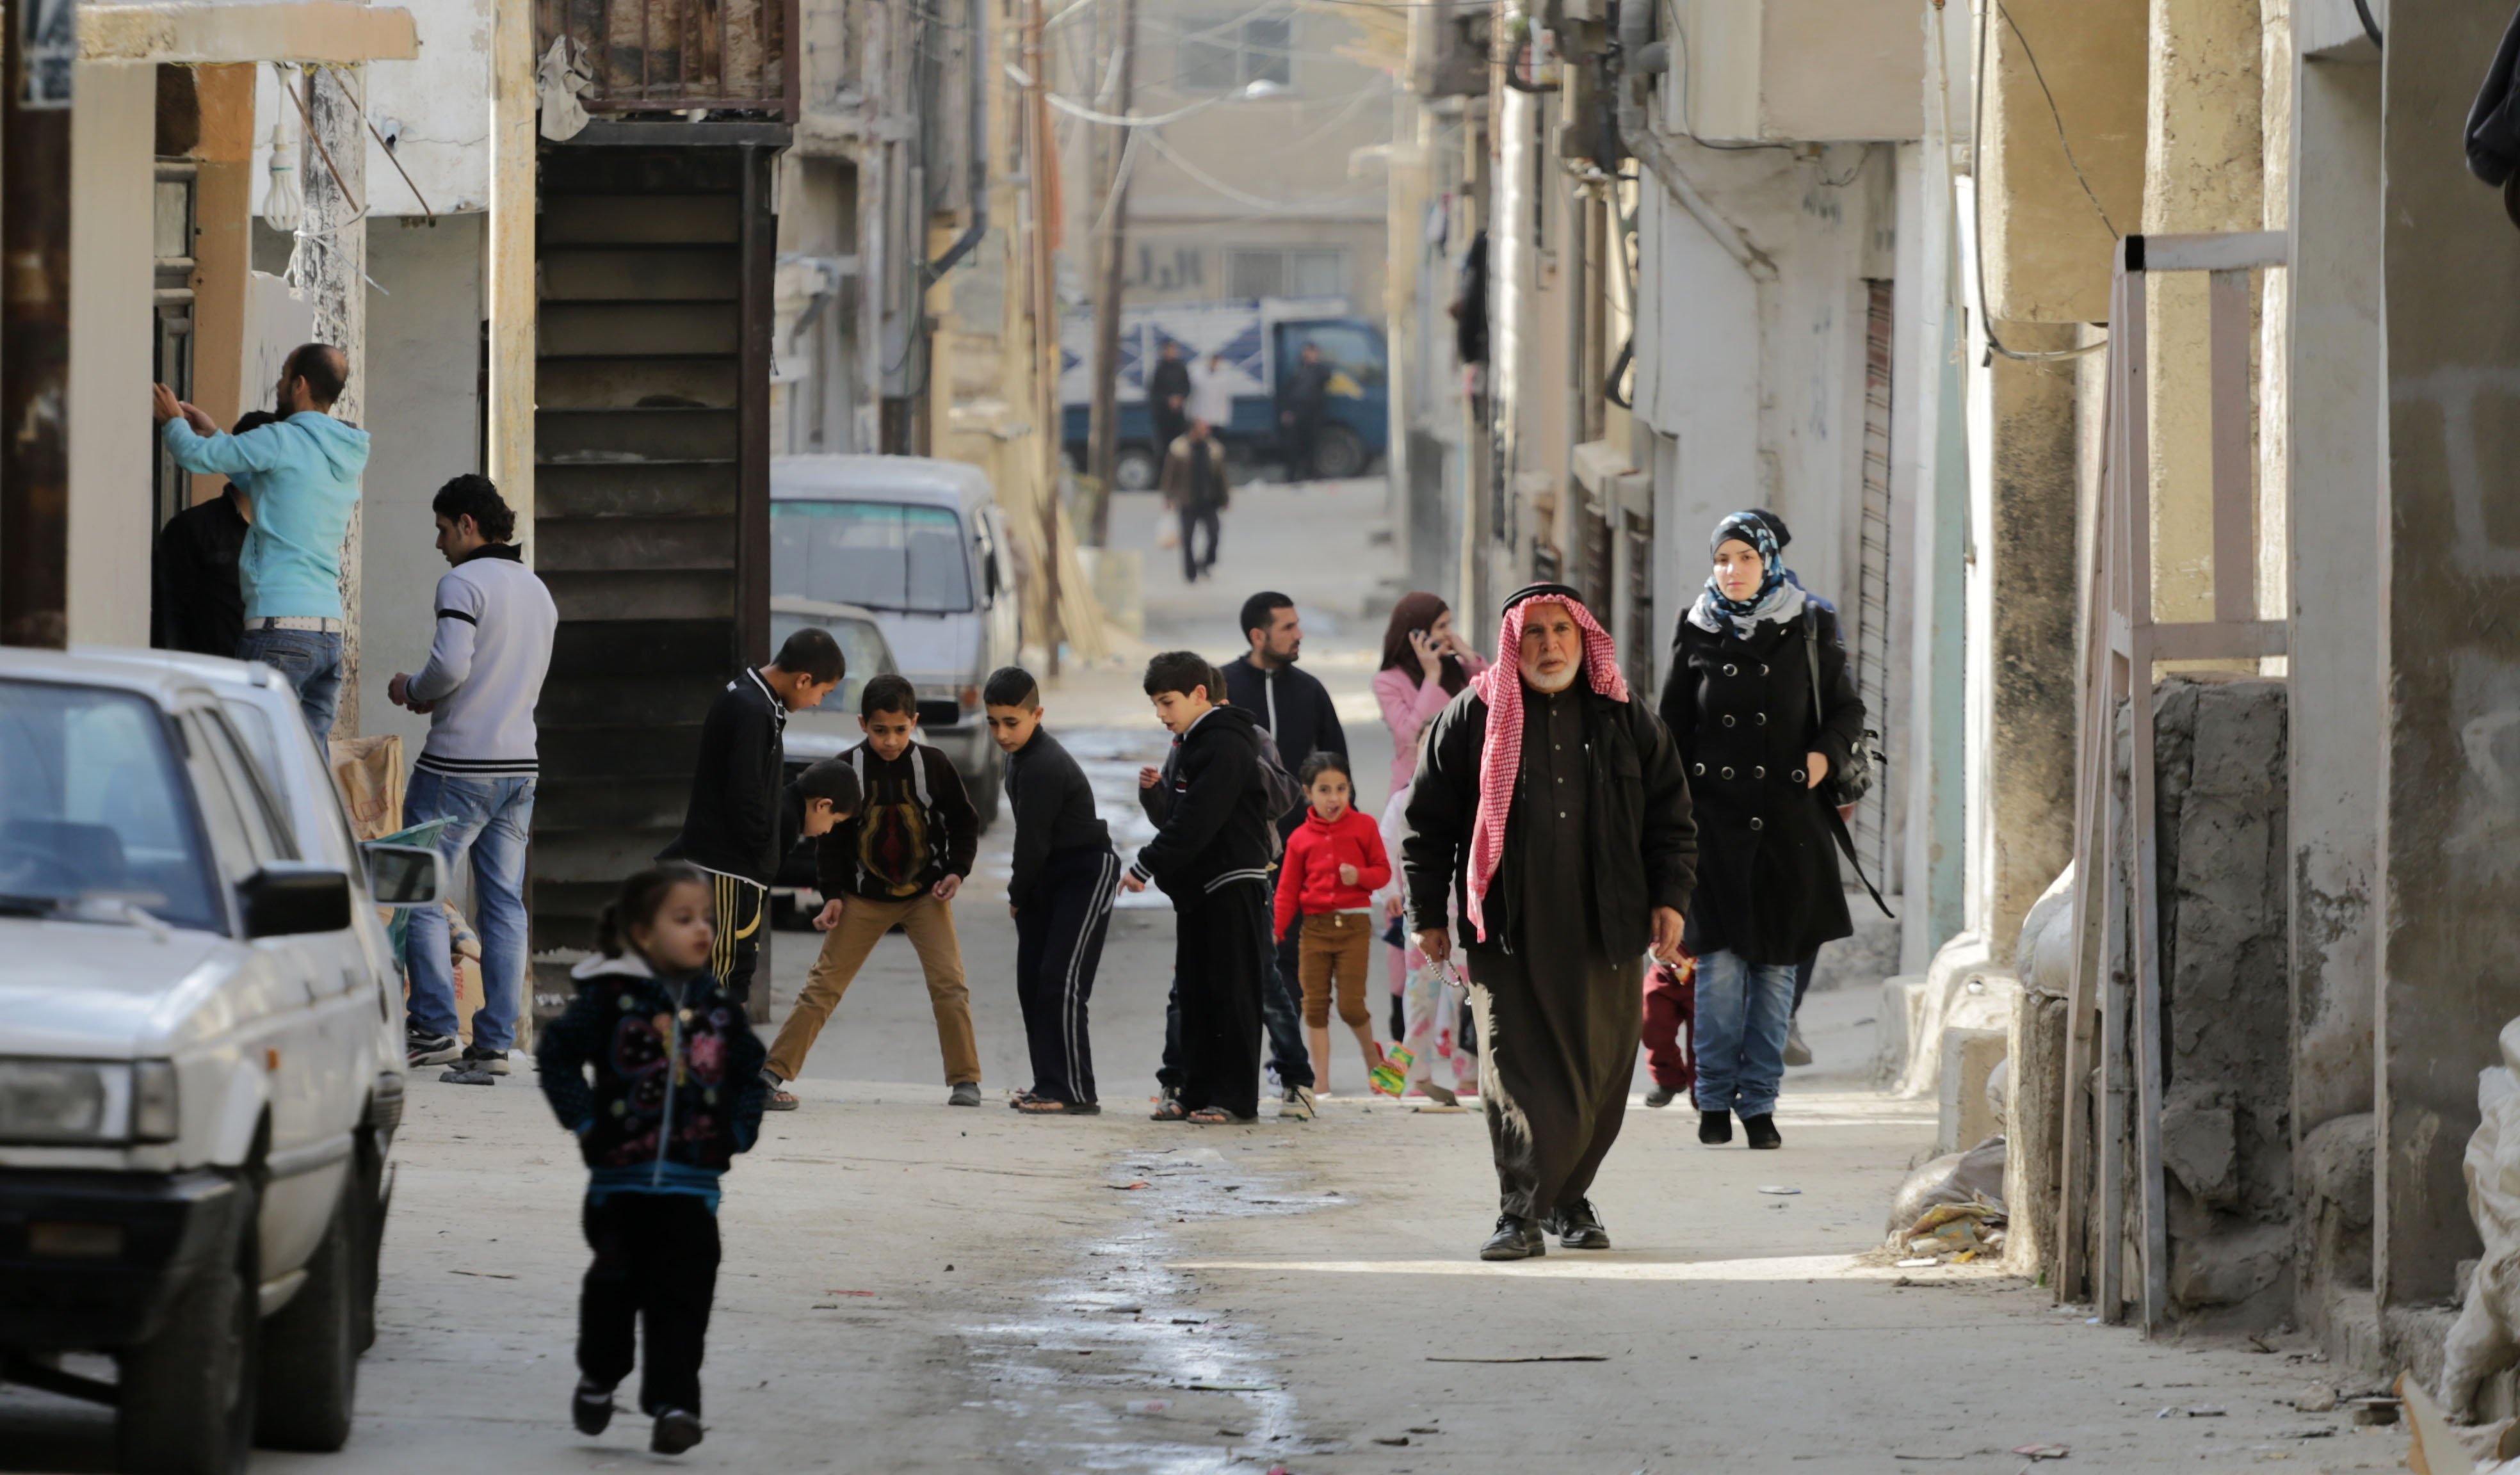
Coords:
656,1069
898,862
736,826
305,477
1550,809
1168,390
1212,858
477,768
1738,703
1303,408
196,595
1333,864
1061,892
1193,486
1424,667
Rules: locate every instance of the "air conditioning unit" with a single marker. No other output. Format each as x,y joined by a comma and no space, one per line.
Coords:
1448,49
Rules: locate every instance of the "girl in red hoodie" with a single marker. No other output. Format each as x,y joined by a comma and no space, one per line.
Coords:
1334,863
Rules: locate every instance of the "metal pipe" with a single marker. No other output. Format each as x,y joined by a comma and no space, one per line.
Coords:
1637,133
978,184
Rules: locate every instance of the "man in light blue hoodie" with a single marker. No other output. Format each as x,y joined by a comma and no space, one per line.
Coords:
306,474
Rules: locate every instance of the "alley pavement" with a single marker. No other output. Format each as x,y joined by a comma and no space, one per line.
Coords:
911,1288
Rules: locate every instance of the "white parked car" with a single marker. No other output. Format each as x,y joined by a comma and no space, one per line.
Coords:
201,1053
922,545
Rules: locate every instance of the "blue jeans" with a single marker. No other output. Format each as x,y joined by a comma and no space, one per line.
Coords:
310,660
491,819
1743,1009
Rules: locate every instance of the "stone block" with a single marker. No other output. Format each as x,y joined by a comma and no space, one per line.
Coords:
1968,1058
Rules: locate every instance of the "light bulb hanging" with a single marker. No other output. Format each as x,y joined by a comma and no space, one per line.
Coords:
284,201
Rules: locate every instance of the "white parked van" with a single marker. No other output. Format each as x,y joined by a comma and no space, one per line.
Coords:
201,1054
922,545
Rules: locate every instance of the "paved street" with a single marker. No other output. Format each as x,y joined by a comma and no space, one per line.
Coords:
909,1287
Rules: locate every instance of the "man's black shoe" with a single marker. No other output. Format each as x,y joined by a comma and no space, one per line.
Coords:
1761,1129
1514,1239
1577,1227
1715,1127
590,1408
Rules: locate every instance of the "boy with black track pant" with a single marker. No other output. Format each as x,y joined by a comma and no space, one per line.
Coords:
1060,893
899,861
1212,858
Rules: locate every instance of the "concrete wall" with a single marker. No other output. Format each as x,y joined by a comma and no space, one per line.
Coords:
1820,70
2335,491
425,415
2061,154
113,140
2451,657
434,107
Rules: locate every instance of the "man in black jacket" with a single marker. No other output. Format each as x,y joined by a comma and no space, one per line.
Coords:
1303,404
1551,810
1168,397
1212,858
1296,709
733,827
198,603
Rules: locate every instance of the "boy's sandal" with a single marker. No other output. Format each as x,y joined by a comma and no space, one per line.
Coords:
1033,1105
780,1100
1217,1116
1170,1109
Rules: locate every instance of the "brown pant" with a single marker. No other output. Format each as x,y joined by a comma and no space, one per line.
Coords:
863,923
1336,951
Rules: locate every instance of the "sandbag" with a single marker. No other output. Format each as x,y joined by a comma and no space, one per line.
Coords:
1955,1177
2486,1337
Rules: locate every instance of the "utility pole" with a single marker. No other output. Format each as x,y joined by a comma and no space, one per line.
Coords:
1105,440
1039,168
40,52
334,167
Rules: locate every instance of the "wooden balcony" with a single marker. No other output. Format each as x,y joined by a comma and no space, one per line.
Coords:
661,56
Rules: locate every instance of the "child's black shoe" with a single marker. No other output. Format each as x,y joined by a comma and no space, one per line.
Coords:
676,1431
591,1407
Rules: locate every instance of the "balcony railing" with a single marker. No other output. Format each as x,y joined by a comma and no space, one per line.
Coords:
658,56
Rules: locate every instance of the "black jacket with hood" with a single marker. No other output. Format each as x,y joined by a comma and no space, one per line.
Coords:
676,1088
1293,707
1642,841
1217,829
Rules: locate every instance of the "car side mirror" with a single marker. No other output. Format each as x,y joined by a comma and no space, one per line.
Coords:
289,899
405,875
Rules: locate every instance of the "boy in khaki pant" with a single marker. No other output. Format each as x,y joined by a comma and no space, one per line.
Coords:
898,861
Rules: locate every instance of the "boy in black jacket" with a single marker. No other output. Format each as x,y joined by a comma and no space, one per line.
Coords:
1212,858
1060,894
734,827
897,862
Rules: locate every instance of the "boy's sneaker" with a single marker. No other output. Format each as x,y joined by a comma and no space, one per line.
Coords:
431,1049
1298,1105
965,1094
590,1407
494,1061
1796,1052
676,1431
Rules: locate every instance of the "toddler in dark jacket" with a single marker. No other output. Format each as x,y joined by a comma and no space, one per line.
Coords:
656,1069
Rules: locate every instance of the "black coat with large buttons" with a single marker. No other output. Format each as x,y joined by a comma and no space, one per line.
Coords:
1740,712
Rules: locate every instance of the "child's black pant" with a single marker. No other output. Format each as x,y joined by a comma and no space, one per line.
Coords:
1059,943
656,1256
1217,951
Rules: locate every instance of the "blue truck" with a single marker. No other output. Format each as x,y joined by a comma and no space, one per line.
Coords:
1256,339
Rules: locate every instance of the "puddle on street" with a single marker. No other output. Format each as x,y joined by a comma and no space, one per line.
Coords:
1079,1377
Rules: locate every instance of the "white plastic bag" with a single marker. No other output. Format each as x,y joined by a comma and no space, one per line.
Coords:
1168,529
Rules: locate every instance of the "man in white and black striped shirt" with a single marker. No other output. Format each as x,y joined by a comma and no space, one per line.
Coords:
476,770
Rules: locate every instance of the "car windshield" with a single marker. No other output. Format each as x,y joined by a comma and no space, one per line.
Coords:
95,806
882,555
862,647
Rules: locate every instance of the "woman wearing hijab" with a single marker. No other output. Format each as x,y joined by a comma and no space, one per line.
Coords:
1425,665
1741,710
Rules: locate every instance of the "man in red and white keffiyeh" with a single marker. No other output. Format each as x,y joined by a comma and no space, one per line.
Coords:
1552,809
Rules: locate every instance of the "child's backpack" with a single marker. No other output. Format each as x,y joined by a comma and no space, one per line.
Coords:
1279,793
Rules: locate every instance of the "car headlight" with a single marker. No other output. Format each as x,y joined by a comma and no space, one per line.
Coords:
86,1102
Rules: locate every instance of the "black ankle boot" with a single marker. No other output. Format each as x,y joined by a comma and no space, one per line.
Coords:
1715,1127
1761,1129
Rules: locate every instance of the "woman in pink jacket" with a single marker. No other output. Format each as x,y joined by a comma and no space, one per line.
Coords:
1425,665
